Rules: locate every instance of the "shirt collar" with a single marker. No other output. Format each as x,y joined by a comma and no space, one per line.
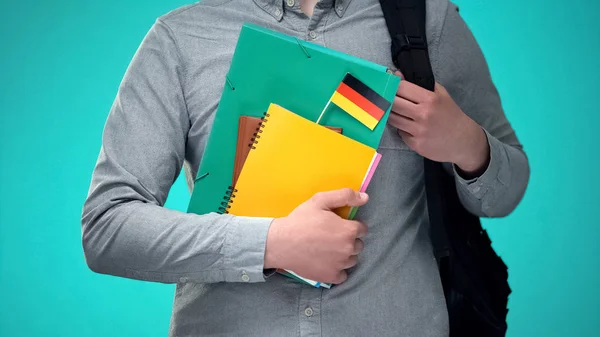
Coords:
275,7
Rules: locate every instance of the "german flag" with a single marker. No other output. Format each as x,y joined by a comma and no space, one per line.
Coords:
360,101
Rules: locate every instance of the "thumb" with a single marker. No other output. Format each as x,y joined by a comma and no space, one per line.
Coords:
340,198
399,74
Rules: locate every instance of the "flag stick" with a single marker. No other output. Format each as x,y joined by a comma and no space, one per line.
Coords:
323,112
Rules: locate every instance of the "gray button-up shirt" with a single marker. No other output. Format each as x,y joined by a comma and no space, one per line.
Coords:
160,121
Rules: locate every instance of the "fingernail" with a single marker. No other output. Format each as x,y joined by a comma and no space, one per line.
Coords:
364,195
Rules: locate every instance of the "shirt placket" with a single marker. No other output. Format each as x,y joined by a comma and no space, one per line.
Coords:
316,25
309,312
309,304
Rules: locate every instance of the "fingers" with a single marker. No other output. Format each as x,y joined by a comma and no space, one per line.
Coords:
340,198
413,92
341,277
409,140
402,123
360,229
405,107
352,261
406,137
399,74
359,246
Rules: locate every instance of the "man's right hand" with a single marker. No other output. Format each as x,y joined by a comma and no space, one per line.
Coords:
316,243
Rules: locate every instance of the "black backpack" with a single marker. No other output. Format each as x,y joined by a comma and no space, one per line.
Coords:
474,277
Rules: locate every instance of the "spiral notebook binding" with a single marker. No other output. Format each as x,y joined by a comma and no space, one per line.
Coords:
227,200
256,135
230,192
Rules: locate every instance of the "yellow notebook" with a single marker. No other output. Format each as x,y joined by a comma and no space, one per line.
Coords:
293,158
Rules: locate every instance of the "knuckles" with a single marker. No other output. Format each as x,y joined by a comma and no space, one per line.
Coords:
347,193
348,249
360,246
317,197
329,275
354,229
418,131
430,99
426,115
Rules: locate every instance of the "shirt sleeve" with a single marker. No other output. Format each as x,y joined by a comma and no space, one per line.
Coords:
126,231
461,68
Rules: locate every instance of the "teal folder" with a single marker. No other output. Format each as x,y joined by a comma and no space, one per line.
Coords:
270,67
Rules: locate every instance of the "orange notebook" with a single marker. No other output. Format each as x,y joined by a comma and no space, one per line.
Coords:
293,158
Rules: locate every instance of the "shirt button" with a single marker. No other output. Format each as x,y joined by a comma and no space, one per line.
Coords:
308,312
312,34
245,278
340,8
291,3
476,189
183,279
277,12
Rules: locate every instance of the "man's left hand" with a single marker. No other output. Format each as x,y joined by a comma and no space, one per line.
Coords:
434,126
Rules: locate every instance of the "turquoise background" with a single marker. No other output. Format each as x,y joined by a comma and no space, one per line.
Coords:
61,63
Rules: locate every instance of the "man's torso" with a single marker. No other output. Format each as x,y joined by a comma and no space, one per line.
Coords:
395,288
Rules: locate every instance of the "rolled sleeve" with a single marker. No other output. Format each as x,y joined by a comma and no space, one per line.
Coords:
495,173
460,66
499,189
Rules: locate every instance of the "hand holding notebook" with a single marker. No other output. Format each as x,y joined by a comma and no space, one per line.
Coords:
292,159
313,241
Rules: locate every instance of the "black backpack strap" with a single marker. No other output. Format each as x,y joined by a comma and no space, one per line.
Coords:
473,276
405,20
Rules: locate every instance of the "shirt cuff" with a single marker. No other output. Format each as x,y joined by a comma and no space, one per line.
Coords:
244,249
479,186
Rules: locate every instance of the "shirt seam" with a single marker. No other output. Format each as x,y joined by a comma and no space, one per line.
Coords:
184,9
183,64
181,273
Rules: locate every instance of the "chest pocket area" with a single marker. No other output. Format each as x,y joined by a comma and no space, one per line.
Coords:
391,140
